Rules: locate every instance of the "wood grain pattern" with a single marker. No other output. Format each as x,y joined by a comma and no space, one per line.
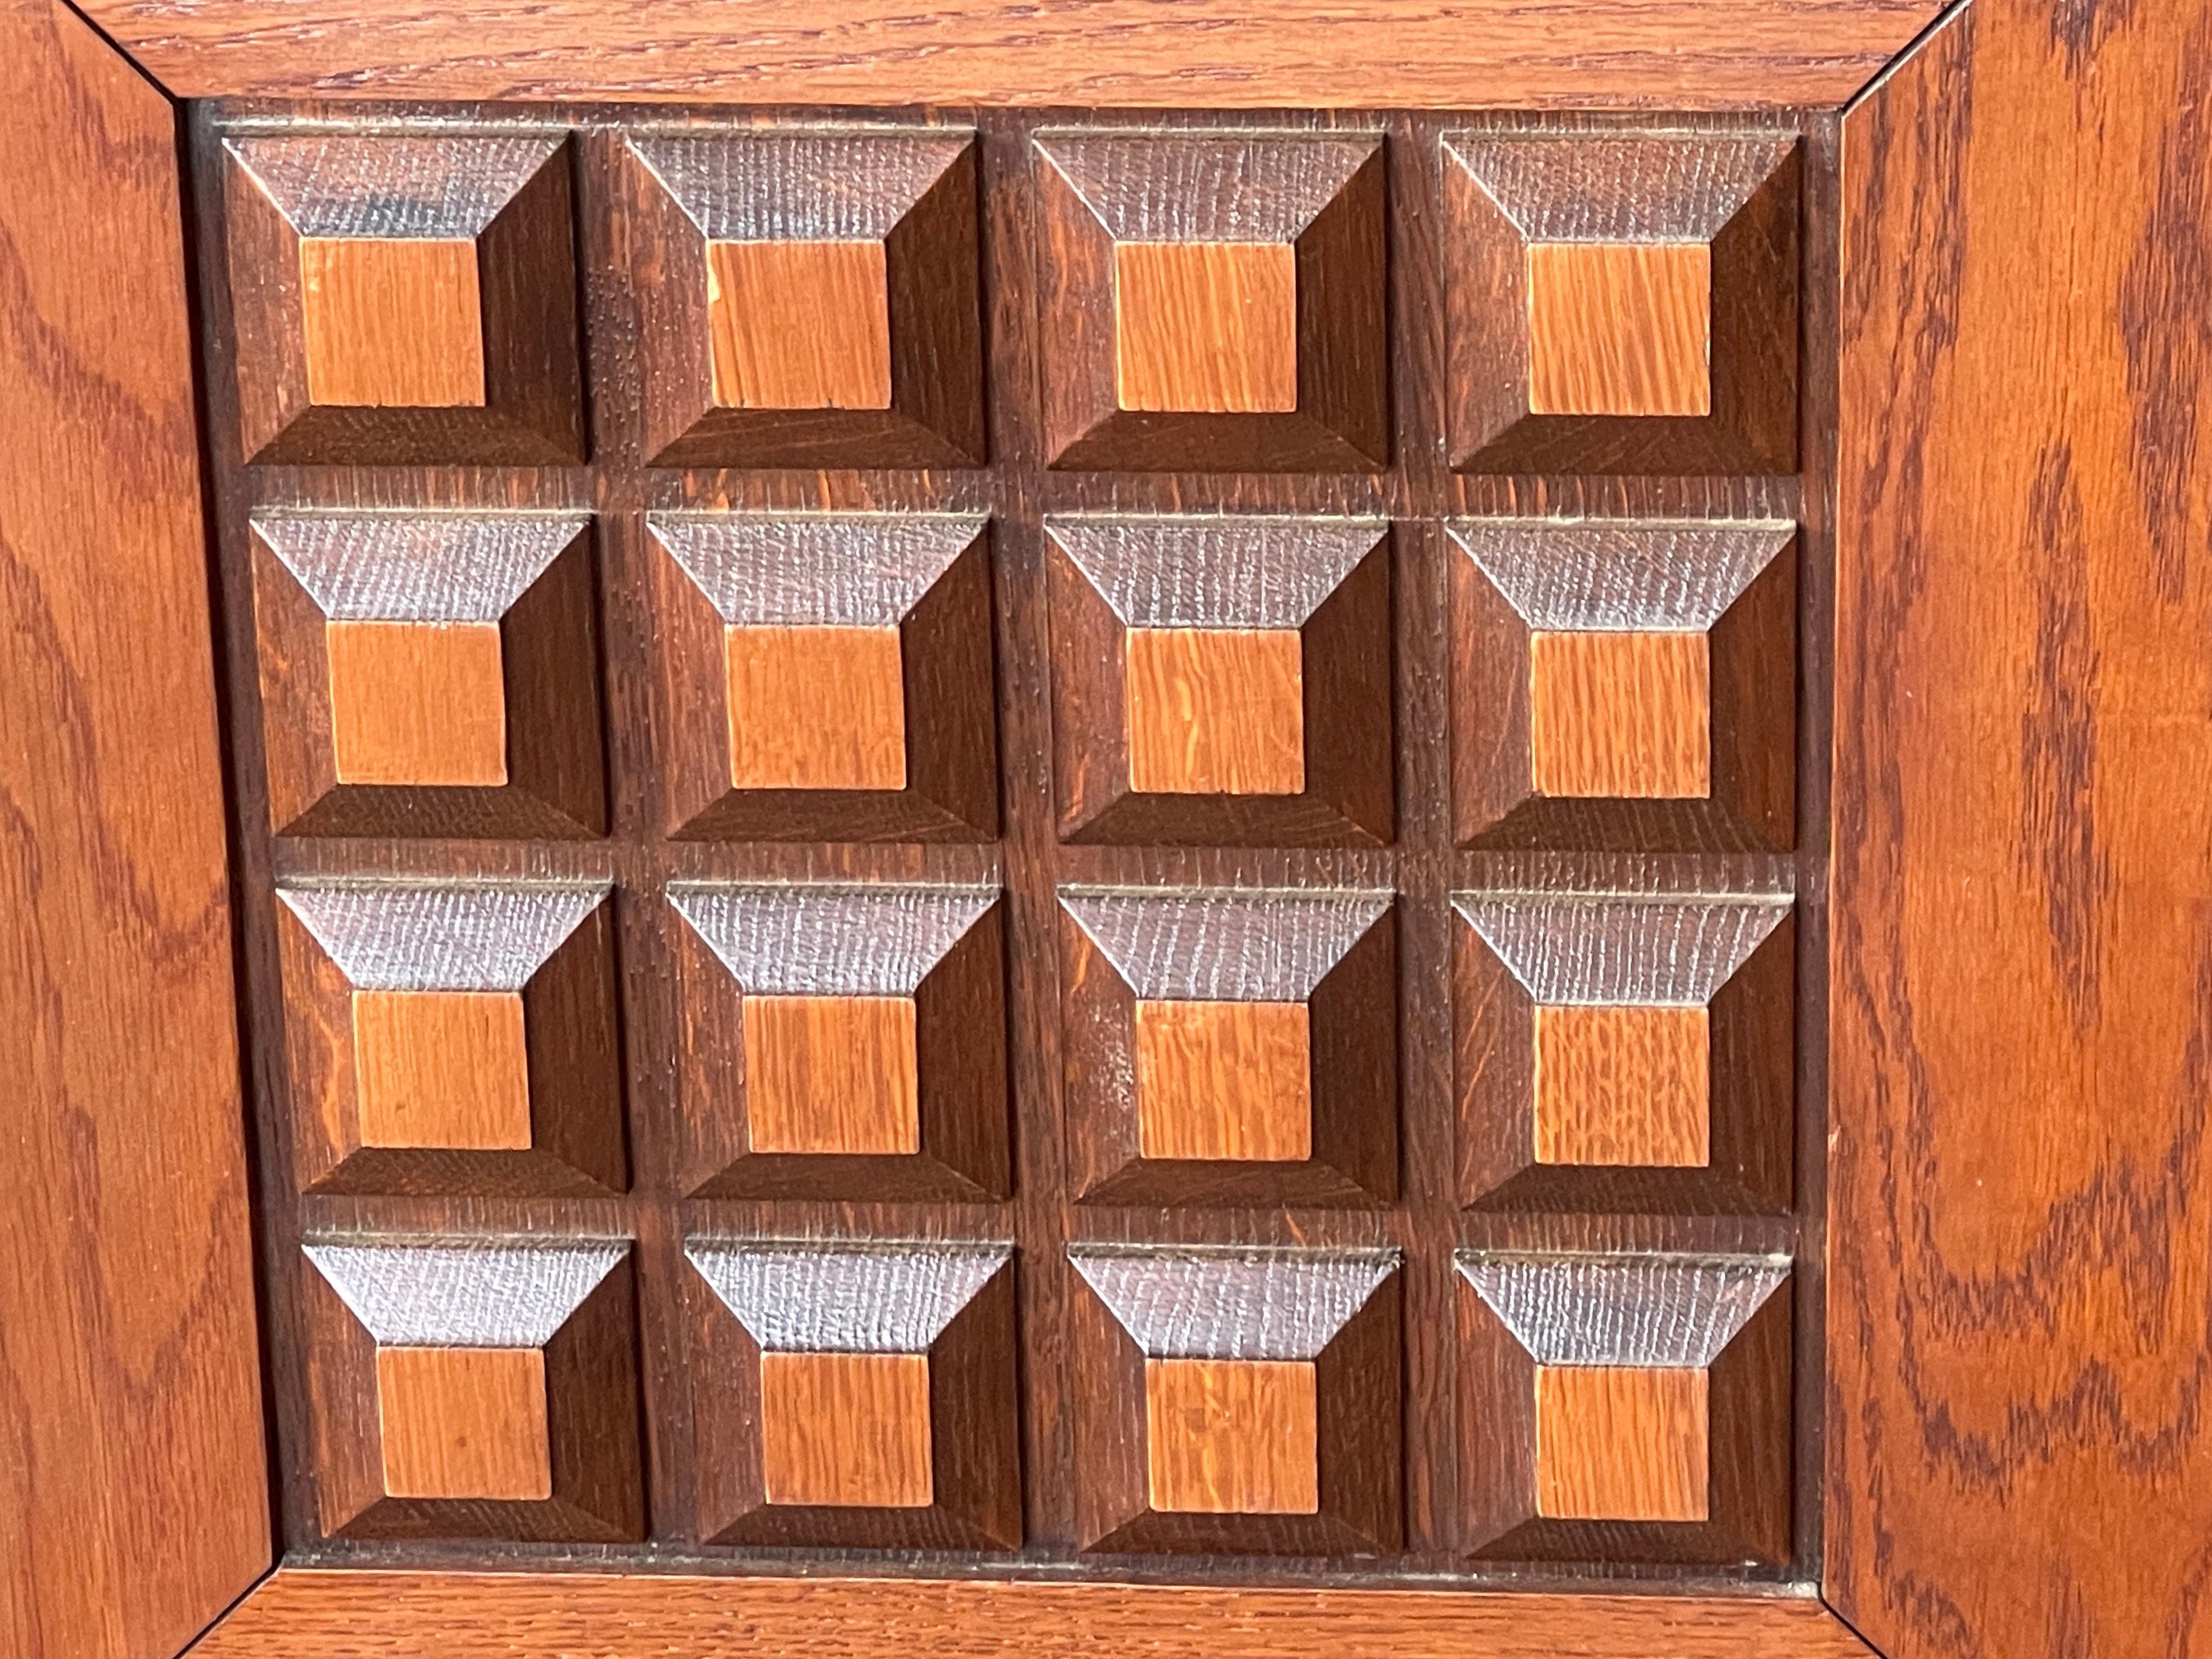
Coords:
1621,1442
1215,711
411,705
442,1068
1510,199
1620,328
1206,327
134,1494
1230,1081
1667,675
831,1075
391,323
846,1429
463,1423
1223,232
1231,1436
1622,716
427,280
1664,54
2019,1448
815,707
815,302
386,1615
1624,1085
800,324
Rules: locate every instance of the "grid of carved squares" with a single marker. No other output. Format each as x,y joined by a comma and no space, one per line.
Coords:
811,297
1222,1047
1219,681
862,1395
1214,680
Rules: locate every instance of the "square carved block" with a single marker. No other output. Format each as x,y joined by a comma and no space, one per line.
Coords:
1623,1442
1222,680
1627,684
817,303
828,677
452,1040
1237,1401
843,1042
429,674
1621,304
463,1423
857,1395
1214,301
404,299
1628,1408
1230,1047
1626,1052
1620,328
471,1388
1232,1436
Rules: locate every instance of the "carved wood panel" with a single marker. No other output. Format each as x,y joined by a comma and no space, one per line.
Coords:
1015,840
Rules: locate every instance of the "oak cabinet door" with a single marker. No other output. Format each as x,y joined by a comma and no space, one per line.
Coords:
1026,860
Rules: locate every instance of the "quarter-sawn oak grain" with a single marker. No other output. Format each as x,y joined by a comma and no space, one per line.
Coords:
2019,1450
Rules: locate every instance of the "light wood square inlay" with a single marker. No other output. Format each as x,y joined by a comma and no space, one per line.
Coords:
1620,716
417,703
800,324
1215,711
1232,1437
392,323
1618,328
447,1069
463,1423
1617,1442
831,1075
1206,327
847,1430
817,708
1224,1080
1624,1085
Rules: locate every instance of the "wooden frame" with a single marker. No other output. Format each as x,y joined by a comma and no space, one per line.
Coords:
2018,1455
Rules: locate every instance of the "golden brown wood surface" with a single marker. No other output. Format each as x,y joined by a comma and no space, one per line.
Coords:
1624,1085
392,325
1621,1442
800,324
1659,54
846,1428
1205,326
442,1068
416,705
399,1615
831,1074
463,1423
1620,328
133,1500
1627,716
2020,1426
1232,1436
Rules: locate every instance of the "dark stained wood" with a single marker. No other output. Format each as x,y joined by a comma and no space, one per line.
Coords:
134,1487
2019,1458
